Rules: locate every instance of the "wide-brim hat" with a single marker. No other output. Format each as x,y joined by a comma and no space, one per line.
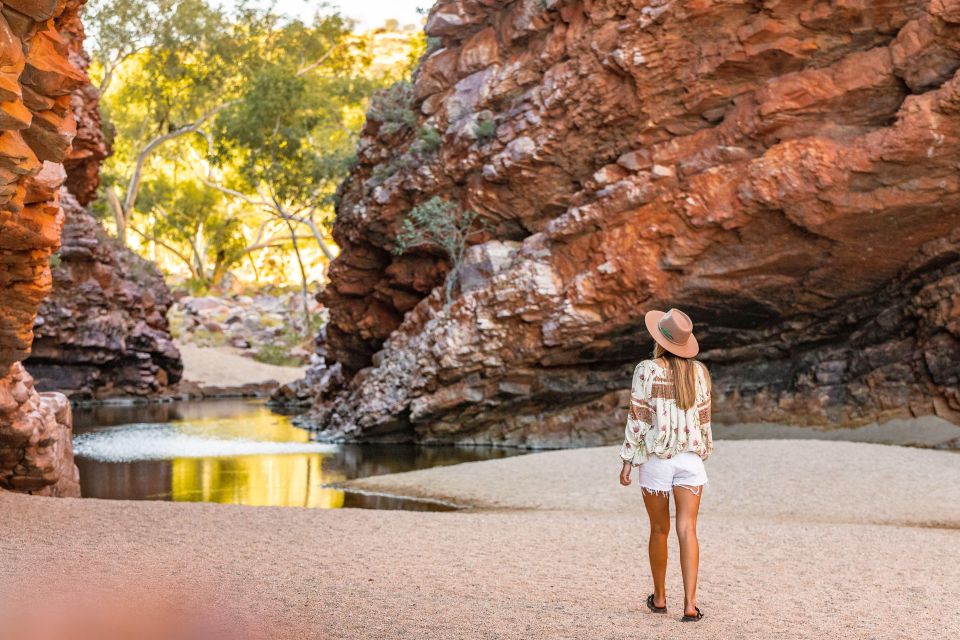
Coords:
673,331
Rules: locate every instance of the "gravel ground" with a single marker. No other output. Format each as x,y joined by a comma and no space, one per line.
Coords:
800,539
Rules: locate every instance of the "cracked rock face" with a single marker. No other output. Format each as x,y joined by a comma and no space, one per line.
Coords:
37,127
786,172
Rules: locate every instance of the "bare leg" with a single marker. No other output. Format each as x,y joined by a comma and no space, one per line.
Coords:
688,505
658,509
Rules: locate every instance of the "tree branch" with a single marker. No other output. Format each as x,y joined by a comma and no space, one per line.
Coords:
236,194
109,70
133,187
119,215
319,61
165,246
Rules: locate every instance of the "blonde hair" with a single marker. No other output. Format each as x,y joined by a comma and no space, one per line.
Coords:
684,372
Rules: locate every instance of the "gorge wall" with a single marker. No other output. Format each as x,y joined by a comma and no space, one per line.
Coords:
103,330
786,171
37,127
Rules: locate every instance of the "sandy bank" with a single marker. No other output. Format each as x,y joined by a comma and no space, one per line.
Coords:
800,539
227,367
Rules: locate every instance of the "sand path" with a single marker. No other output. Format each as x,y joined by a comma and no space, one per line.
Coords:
227,367
799,540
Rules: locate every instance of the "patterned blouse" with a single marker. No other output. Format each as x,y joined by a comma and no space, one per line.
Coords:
656,426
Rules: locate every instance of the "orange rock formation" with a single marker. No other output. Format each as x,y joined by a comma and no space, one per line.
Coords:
786,171
37,126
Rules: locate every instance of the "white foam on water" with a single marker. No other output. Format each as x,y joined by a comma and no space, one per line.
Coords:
161,441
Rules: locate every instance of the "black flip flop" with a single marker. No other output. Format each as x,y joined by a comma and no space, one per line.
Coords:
695,618
653,607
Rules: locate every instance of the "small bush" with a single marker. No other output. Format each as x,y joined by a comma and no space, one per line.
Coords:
197,287
442,224
429,138
55,260
394,108
383,171
485,131
277,354
203,337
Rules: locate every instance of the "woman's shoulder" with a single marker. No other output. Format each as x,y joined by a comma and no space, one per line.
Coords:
647,364
645,369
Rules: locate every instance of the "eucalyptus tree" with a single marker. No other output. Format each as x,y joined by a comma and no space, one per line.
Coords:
288,140
166,68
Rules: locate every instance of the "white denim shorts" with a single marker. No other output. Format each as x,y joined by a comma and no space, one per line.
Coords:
660,475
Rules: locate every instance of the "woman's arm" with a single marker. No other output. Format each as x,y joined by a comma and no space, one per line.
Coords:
633,452
705,411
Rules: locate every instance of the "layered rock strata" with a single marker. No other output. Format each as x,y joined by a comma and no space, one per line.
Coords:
103,331
37,127
786,171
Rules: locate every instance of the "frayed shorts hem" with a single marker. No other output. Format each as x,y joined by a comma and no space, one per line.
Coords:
661,475
694,489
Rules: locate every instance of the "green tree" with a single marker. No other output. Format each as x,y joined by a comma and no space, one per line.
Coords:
290,136
261,111
179,63
197,226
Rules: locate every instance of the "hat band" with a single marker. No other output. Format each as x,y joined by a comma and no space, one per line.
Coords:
666,333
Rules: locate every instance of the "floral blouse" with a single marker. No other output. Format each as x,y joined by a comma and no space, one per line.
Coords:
656,426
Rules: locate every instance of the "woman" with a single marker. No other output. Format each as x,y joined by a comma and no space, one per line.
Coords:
668,436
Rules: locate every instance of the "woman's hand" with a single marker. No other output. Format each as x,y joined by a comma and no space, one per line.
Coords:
625,473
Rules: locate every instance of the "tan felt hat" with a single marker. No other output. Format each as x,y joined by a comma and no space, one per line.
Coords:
673,331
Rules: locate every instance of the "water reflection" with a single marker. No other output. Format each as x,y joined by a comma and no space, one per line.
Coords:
261,480
235,452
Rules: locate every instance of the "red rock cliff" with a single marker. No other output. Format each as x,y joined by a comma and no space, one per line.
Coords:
786,171
37,127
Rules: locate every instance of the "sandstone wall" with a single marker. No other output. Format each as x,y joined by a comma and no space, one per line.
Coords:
784,170
37,127
103,330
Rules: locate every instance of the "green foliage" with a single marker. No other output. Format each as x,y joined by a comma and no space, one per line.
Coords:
232,127
277,352
186,214
285,135
429,139
485,131
444,225
55,260
393,107
203,337
420,44
196,287
179,57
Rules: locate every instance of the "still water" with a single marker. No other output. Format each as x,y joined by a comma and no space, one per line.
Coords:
236,452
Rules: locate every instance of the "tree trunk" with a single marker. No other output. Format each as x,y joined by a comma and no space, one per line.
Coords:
304,291
119,215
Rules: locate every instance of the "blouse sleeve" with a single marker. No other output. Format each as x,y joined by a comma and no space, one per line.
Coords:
639,418
704,400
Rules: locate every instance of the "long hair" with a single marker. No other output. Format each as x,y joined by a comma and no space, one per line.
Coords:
684,372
